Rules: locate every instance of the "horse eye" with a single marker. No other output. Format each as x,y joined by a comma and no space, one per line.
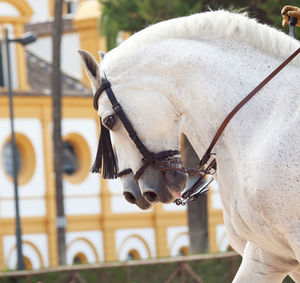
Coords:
109,121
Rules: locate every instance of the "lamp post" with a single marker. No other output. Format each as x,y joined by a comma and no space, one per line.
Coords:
24,40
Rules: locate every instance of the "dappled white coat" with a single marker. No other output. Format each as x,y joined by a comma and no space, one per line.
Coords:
195,70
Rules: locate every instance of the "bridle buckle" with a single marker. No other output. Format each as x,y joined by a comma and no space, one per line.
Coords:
117,107
192,193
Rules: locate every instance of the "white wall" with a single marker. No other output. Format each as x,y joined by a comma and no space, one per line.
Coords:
70,61
40,9
118,203
215,196
13,56
70,57
42,48
84,197
38,240
177,238
75,244
7,9
125,241
221,236
32,202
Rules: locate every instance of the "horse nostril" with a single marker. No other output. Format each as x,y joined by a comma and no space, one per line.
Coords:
150,196
130,197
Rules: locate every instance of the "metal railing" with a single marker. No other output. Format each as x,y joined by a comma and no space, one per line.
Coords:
175,269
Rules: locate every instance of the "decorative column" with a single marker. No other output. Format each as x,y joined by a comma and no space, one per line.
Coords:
50,186
108,228
160,226
21,58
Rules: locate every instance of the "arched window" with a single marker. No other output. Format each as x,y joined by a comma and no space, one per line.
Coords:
183,251
70,159
25,158
70,6
79,258
8,158
27,263
133,255
229,249
2,84
76,158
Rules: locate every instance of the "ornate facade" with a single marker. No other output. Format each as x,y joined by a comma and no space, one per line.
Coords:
101,225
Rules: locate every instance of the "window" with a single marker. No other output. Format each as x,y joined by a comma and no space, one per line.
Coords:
76,158
8,158
79,258
70,7
133,255
70,159
25,158
27,263
183,251
1,69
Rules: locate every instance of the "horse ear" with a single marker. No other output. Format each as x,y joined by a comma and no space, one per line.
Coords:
91,67
101,55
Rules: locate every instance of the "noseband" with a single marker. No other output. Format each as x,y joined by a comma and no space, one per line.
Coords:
105,151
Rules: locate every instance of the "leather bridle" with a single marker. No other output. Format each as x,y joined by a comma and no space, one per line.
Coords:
162,159
149,157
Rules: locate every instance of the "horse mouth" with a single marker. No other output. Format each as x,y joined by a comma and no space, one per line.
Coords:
172,192
158,186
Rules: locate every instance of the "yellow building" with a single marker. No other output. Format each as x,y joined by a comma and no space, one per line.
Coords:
101,225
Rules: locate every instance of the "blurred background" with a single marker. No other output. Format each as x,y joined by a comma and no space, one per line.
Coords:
82,218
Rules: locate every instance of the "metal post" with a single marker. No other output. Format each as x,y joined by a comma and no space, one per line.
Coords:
14,157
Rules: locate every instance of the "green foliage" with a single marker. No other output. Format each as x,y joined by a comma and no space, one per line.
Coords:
134,15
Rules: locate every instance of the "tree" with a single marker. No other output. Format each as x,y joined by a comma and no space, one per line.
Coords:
134,15
267,11
56,86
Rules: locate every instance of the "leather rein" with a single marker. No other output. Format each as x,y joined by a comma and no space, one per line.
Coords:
194,192
164,160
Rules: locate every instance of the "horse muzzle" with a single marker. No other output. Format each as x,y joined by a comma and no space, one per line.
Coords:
132,193
161,186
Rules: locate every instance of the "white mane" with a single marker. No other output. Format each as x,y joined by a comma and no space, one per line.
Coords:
212,25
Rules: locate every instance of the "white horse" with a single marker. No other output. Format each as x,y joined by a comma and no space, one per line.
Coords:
189,73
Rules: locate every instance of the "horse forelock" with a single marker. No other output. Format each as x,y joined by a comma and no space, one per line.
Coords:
211,25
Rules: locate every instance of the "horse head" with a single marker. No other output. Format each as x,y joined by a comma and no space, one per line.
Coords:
155,123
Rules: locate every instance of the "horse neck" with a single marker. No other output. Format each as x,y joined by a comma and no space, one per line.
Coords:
208,94
213,84
204,80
